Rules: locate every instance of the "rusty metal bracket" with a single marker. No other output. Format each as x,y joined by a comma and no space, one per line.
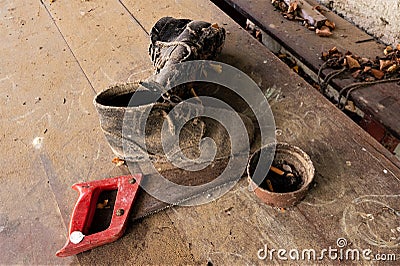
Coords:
85,207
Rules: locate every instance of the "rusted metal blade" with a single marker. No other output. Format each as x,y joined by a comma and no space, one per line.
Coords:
146,204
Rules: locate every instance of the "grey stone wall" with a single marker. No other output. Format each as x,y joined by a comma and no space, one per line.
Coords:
380,18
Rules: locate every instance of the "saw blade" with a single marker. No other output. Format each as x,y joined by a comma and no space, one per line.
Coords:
161,206
146,204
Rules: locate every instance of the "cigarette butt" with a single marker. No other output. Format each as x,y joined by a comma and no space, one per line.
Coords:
193,92
195,95
277,171
269,184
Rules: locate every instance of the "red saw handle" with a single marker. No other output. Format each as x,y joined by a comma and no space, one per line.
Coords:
85,208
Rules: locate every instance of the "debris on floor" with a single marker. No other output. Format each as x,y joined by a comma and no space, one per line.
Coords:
365,69
306,14
253,30
382,69
117,161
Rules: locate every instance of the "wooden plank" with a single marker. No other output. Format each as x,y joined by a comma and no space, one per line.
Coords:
212,232
307,47
47,101
111,47
290,121
107,41
350,164
46,107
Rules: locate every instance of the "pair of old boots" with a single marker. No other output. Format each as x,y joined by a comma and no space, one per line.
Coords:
135,116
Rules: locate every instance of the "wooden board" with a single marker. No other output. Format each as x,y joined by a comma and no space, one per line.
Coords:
355,175
307,47
47,96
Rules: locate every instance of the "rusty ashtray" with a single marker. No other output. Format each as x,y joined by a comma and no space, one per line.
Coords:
287,181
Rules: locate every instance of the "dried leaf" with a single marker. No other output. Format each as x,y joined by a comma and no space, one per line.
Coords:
356,74
377,73
388,50
215,26
117,161
103,205
330,24
352,63
398,47
364,60
296,68
325,56
258,34
350,106
323,32
282,6
334,50
393,68
367,68
384,64
269,184
292,7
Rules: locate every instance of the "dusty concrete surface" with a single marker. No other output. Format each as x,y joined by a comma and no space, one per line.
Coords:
379,18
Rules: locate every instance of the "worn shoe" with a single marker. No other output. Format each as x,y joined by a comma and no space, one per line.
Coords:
177,40
125,125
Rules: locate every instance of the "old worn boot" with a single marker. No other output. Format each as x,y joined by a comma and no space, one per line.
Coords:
177,40
133,127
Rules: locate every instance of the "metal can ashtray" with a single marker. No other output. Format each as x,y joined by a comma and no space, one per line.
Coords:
286,182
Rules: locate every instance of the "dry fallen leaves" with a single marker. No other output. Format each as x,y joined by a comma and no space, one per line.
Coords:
330,24
384,64
388,50
292,7
356,74
351,62
392,68
103,205
215,25
293,11
350,106
323,32
378,74
118,162
365,69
